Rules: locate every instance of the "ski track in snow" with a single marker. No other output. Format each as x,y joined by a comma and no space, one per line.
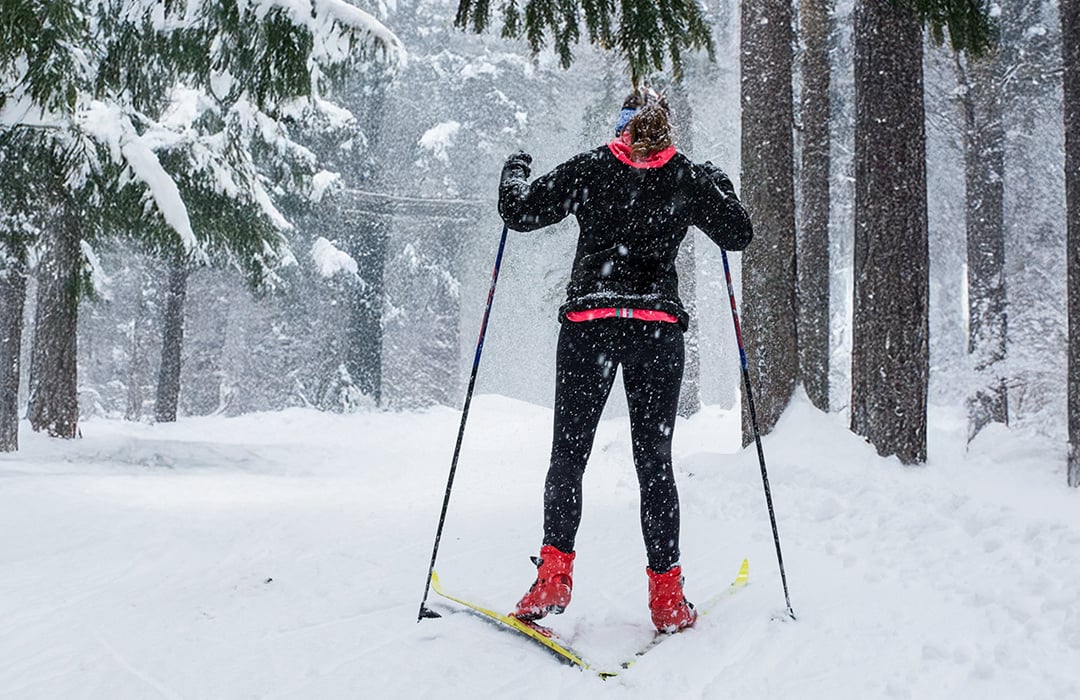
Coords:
145,678
282,556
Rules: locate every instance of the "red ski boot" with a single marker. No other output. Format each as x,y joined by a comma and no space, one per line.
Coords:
551,591
670,609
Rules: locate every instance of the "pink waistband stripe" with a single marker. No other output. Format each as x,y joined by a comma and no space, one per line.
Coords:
639,314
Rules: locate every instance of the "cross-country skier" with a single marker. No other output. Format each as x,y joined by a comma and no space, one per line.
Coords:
634,199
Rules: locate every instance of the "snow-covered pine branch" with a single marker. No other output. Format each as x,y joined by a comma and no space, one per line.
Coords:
169,124
181,101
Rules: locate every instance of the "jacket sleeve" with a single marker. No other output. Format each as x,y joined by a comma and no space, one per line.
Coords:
547,200
717,209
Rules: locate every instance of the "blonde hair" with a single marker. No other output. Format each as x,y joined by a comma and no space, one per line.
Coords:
650,129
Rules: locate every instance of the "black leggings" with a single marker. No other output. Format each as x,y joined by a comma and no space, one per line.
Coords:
651,355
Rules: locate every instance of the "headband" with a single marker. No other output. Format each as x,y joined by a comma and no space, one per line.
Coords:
625,115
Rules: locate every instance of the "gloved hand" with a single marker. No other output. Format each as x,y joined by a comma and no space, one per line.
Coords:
518,164
718,177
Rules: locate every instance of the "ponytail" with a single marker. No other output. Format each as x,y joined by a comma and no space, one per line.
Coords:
650,129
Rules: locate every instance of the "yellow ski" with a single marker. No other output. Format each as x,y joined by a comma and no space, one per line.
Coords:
542,635
550,641
741,579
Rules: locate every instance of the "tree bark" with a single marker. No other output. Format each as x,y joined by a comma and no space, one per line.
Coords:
368,246
769,273
890,351
138,365
172,342
54,399
690,392
364,351
12,305
815,17
1070,35
984,169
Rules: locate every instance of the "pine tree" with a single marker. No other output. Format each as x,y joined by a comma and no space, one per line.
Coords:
890,363
686,264
165,123
1036,270
478,100
1070,53
21,181
890,353
646,34
367,242
13,274
768,191
815,25
968,24
982,83
54,405
172,341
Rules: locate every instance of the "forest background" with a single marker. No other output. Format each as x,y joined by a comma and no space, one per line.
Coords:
372,296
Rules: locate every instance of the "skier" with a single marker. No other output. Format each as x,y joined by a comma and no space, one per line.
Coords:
634,199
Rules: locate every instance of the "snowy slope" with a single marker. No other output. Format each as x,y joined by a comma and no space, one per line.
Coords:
283,556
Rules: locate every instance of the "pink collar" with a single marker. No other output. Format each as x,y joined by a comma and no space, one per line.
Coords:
620,148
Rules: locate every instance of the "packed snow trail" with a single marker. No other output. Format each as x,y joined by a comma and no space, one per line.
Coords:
283,555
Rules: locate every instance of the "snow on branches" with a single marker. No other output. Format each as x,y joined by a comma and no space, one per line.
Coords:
159,114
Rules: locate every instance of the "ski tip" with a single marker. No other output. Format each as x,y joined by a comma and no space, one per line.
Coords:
744,574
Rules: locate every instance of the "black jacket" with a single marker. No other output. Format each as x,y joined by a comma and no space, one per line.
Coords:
632,221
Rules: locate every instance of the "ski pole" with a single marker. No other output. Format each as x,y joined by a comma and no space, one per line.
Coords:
757,433
425,611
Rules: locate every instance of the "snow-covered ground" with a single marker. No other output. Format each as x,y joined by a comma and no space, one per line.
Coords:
283,555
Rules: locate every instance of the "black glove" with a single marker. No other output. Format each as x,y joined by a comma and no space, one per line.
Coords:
718,177
518,165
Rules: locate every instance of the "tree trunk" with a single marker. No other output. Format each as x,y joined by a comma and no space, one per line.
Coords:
690,393
138,365
984,169
368,242
172,342
686,267
815,17
54,399
12,304
1070,35
769,274
364,349
890,351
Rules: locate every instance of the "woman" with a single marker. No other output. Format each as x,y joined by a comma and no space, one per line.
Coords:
634,199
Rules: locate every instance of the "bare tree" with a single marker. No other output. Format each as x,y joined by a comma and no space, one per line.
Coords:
768,191
890,351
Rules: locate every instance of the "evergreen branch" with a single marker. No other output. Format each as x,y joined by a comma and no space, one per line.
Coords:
171,117
969,24
645,34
